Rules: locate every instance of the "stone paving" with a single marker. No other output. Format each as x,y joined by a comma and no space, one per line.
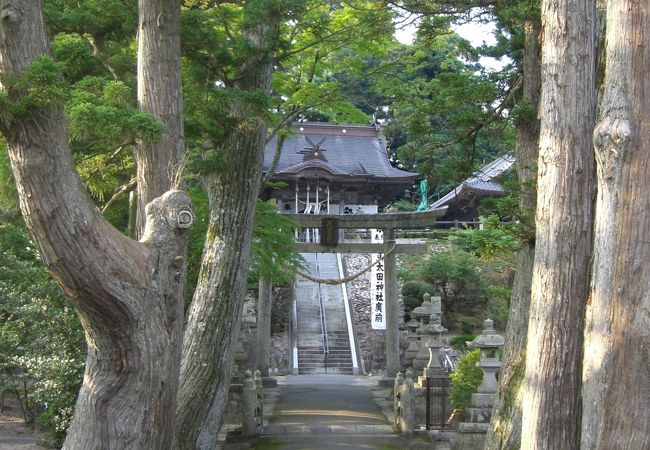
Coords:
323,412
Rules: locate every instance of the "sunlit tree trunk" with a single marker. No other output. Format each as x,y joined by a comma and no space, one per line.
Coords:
565,195
505,426
159,93
128,294
617,337
215,312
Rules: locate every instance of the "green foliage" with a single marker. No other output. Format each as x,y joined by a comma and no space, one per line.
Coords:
75,52
104,125
493,241
8,193
413,292
41,86
465,380
41,341
460,342
456,276
273,250
404,205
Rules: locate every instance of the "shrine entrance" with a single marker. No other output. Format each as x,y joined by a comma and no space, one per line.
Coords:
385,310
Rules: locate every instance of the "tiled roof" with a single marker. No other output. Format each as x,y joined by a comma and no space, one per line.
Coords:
348,151
481,181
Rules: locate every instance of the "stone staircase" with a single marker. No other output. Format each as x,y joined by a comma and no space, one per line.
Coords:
312,354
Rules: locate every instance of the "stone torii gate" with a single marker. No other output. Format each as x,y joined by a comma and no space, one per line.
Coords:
329,226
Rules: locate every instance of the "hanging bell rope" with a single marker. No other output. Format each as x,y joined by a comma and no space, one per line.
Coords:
334,281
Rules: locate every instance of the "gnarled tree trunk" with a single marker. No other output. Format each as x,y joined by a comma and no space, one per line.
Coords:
617,336
505,425
128,294
565,194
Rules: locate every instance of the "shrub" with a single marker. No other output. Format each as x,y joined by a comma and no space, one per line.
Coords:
42,347
460,342
456,275
465,380
412,293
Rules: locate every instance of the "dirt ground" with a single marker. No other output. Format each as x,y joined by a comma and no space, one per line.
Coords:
14,434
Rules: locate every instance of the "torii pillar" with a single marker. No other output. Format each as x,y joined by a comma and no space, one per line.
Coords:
392,309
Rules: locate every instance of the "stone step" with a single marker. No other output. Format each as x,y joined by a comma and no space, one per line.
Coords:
321,360
345,371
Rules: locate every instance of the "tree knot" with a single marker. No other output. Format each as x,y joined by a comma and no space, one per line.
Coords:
9,13
169,217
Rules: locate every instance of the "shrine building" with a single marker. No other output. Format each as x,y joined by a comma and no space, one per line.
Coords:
334,169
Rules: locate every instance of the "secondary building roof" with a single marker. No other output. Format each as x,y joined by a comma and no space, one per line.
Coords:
465,197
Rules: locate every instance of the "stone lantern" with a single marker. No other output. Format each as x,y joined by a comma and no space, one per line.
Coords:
434,343
489,342
412,338
423,314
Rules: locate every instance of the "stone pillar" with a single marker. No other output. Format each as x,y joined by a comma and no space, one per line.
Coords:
264,301
392,307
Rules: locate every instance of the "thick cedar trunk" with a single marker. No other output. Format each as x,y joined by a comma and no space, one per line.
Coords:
617,336
565,194
505,426
215,313
159,93
128,294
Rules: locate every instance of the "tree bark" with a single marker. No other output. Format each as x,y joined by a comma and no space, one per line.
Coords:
159,93
617,338
128,294
552,381
505,425
216,309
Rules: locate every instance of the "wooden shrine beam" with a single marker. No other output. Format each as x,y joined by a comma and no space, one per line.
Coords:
397,221
361,247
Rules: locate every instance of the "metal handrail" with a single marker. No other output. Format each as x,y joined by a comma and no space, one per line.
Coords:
323,319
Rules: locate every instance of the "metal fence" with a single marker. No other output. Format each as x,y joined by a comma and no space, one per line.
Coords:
438,408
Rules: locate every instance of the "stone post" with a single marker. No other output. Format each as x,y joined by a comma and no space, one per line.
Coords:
392,309
249,403
408,406
397,401
259,401
404,404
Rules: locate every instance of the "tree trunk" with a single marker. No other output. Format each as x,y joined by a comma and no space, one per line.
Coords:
617,338
159,93
216,309
505,425
552,380
128,294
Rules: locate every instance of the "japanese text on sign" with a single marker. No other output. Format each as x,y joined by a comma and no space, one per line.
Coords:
377,293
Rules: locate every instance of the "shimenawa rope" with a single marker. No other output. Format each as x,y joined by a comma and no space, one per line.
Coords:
334,282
